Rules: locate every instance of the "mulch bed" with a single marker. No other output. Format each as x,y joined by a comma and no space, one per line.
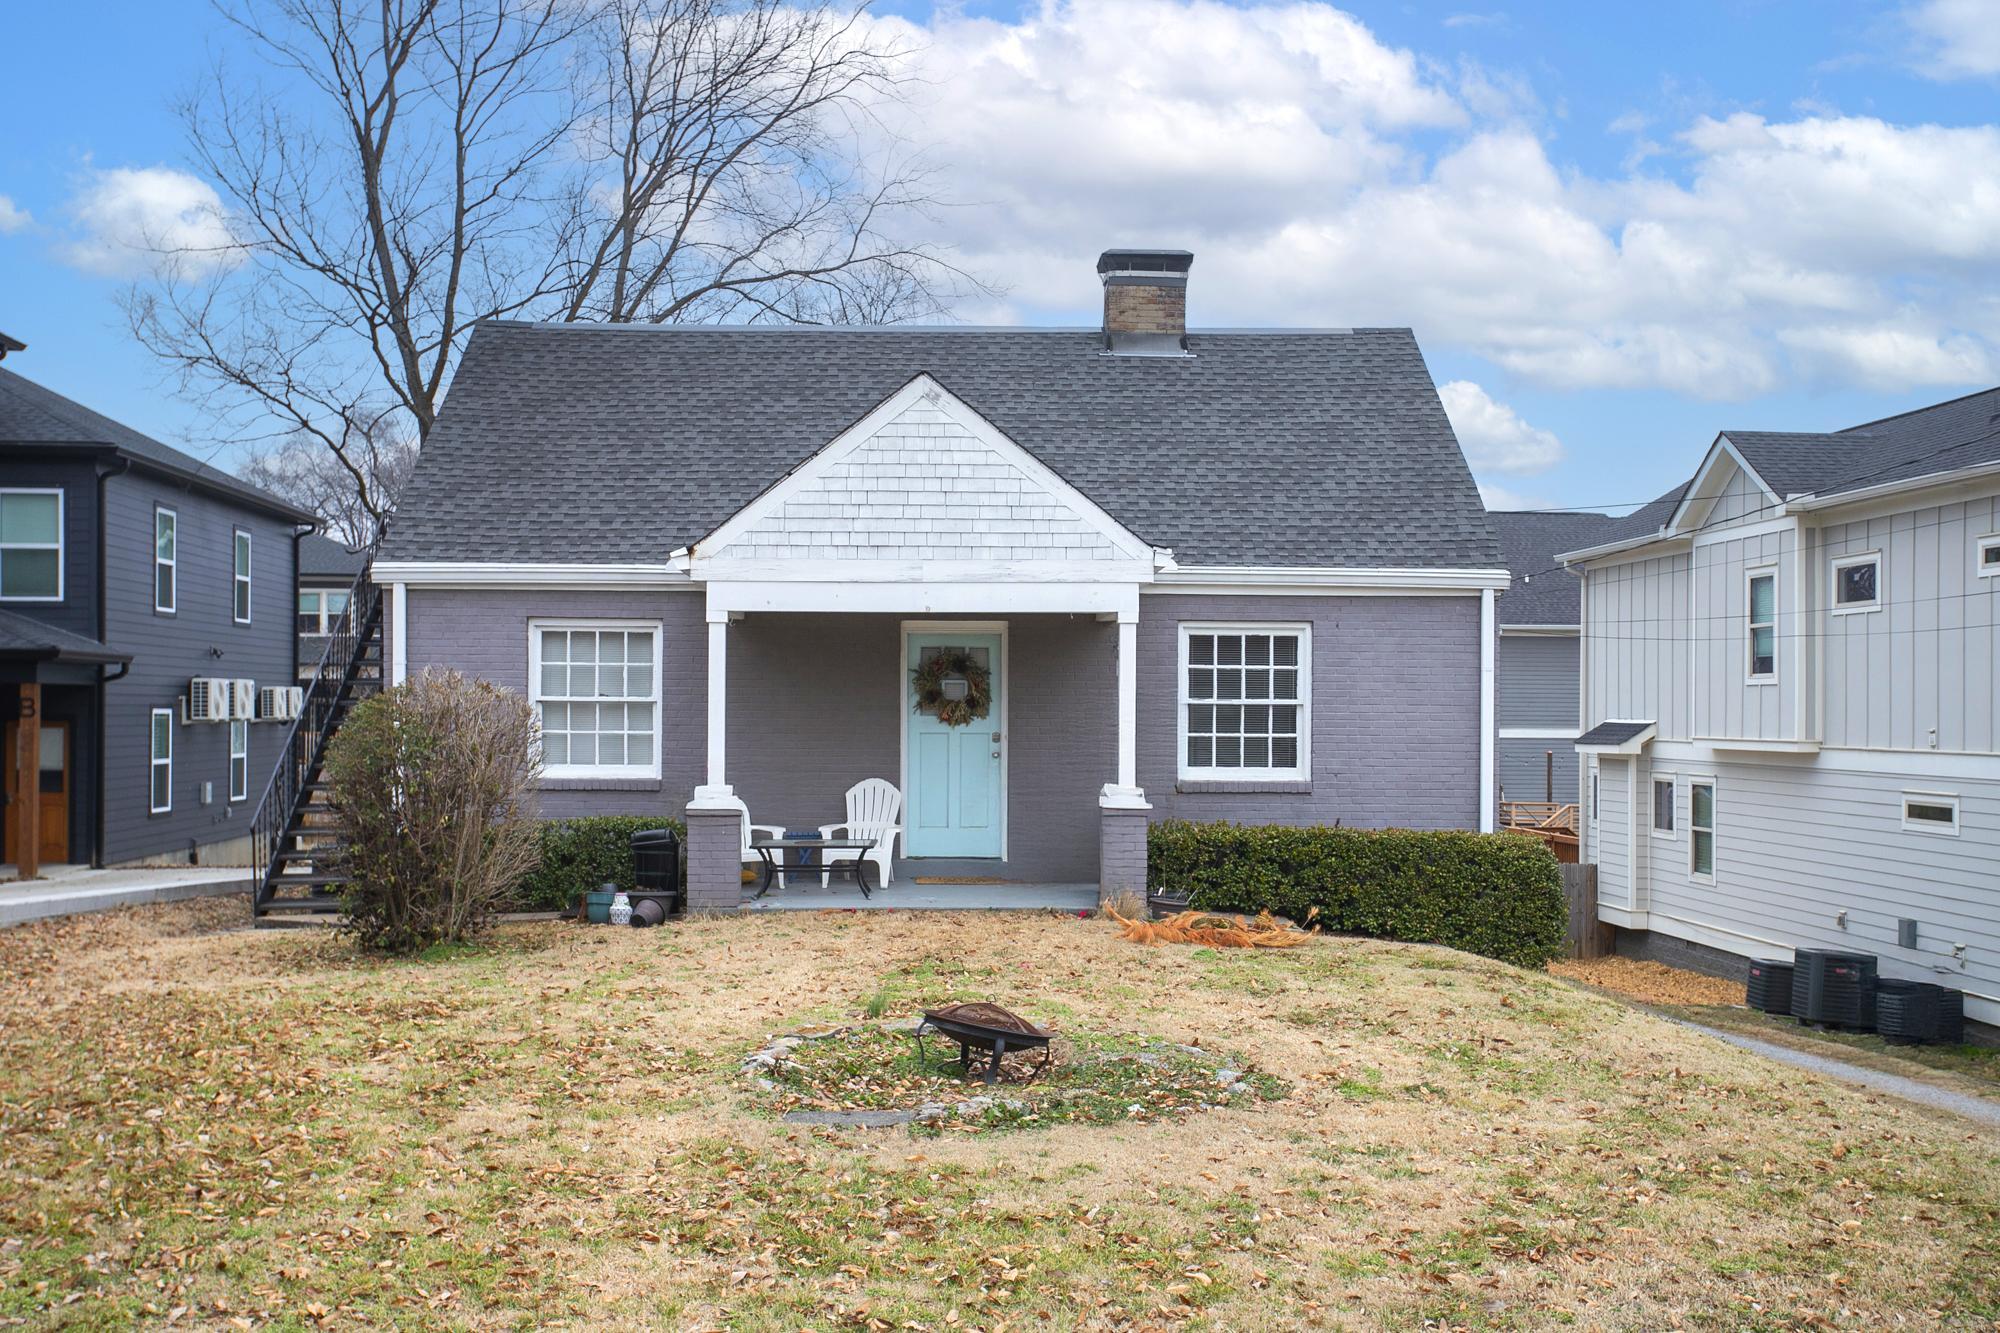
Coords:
1649,983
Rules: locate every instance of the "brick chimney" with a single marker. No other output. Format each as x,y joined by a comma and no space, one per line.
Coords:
1145,301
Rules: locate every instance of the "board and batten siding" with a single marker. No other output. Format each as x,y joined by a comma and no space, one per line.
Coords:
1741,501
201,638
1801,841
1636,657
1929,660
1728,703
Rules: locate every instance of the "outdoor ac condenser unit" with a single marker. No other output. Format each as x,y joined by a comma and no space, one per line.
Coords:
295,700
243,699
207,700
271,704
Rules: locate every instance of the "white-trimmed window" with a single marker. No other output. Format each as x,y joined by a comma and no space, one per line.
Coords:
1931,812
1857,583
162,767
240,581
320,610
239,759
1986,562
1245,706
1762,603
596,687
31,545
1701,830
1665,793
166,559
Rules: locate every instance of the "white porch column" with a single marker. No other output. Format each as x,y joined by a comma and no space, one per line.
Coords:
1125,793
1487,805
717,786
399,633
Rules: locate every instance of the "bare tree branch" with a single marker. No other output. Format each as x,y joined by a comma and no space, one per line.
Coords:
413,167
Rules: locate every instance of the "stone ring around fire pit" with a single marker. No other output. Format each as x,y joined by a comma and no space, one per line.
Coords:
988,1028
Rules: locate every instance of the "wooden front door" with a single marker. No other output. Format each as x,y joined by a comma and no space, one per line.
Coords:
52,779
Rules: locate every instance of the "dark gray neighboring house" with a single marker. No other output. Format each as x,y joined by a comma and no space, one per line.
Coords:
327,570
1539,652
1205,574
128,570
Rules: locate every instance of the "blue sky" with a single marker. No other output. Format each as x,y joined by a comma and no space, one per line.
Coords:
1615,228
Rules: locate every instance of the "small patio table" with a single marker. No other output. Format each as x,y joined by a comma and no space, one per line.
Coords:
771,851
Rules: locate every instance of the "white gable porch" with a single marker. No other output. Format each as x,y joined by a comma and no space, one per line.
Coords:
923,509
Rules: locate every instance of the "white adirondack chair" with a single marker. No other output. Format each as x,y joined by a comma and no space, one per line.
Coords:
874,806
751,830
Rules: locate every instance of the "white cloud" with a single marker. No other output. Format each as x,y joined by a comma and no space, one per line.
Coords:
133,219
1324,177
1957,39
1500,497
1493,435
13,217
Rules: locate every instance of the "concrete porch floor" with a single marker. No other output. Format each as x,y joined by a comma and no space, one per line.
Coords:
905,895
66,890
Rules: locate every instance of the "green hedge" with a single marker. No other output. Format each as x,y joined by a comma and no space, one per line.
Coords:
580,854
1497,894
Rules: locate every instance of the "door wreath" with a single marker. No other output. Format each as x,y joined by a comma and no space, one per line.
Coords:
937,680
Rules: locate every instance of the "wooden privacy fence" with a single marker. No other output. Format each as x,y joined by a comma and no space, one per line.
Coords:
1588,937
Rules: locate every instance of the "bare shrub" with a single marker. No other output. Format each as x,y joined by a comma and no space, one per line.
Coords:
434,784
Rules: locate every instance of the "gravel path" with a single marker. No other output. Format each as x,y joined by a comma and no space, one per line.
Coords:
1981,1109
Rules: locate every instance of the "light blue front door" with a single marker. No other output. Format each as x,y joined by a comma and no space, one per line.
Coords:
954,795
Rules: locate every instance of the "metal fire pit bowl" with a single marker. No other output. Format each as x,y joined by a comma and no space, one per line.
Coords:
989,1029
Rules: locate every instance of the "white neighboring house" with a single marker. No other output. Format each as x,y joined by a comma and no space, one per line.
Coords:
1789,695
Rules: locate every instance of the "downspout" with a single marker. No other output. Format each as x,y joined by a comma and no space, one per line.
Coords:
1487,806
299,534
1584,851
118,466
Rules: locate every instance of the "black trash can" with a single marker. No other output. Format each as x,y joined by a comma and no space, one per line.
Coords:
656,859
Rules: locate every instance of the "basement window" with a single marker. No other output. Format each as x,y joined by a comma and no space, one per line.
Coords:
1930,812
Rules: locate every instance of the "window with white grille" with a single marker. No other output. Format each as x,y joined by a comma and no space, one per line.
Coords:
1245,705
596,687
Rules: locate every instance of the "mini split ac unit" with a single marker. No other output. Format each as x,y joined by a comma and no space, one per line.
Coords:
207,700
243,699
279,703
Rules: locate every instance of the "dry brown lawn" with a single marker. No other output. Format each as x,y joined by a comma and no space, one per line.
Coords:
236,1128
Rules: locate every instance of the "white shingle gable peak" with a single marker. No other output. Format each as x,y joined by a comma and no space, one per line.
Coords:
924,487
1145,301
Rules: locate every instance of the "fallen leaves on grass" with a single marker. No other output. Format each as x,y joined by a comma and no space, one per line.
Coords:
1649,983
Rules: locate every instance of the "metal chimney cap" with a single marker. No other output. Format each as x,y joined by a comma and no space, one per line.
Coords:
1146,261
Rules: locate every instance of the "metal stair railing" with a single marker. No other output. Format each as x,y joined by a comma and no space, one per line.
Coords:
304,749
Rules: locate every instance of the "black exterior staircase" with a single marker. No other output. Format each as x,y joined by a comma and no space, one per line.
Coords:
294,835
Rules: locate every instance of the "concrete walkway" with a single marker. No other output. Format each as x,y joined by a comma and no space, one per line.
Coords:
1984,1110
73,890
805,895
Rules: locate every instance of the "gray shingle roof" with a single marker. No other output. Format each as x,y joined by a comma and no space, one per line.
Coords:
1543,592
21,636
1963,432
1613,733
322,557
620,444
31,414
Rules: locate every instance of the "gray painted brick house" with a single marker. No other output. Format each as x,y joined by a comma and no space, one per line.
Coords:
129,570
1792,705
1539,652
1212,574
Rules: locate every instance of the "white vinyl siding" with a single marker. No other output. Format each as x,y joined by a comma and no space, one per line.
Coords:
31,545
166,559
239,591
239,759
161,768
596,688
1245,702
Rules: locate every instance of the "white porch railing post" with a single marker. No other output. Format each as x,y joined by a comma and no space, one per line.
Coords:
1125,792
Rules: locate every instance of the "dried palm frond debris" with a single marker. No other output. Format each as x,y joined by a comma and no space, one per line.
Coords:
1222,932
